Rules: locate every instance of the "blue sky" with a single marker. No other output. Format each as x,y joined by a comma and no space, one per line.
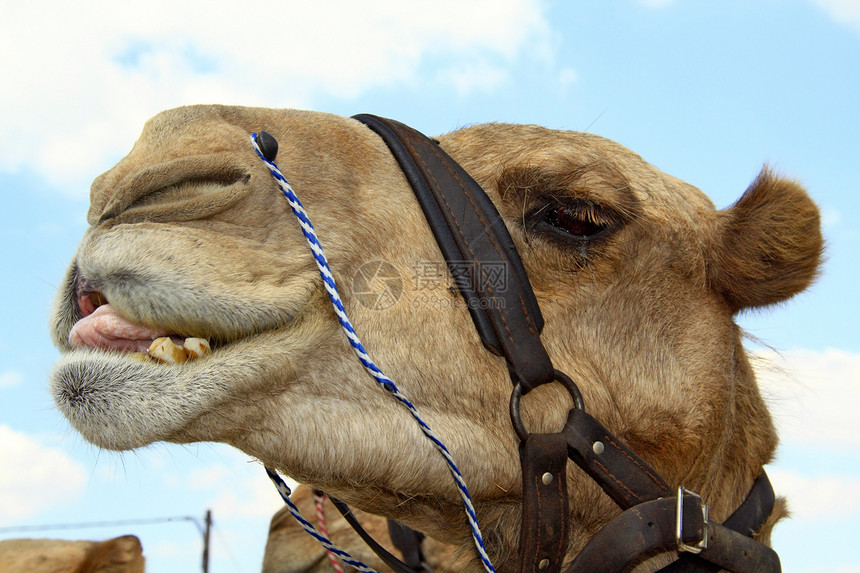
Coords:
706,91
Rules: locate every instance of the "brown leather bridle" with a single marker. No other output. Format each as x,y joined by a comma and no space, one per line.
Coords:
655,518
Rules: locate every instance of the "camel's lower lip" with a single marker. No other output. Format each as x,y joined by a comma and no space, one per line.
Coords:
95,389
122,401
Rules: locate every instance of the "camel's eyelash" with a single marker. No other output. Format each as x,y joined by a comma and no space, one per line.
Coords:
579,220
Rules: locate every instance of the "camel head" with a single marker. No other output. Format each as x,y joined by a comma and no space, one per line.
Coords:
638,277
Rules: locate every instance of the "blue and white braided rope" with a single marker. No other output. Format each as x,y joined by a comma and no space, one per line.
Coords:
361,353
284,490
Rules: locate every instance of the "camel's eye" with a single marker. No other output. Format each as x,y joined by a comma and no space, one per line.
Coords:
578,220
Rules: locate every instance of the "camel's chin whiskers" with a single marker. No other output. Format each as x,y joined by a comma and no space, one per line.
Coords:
122,401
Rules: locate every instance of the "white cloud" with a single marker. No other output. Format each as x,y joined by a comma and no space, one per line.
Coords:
473,76
812,395
170,551
819,498
238,486
81,78
254,496
845,12
34,477
10,379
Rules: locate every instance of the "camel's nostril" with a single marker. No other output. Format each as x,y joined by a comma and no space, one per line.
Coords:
97,299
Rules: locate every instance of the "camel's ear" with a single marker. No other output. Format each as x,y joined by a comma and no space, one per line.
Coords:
768,245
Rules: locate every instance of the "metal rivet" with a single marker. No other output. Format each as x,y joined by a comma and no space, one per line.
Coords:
268,145
543,564
597,448
546,478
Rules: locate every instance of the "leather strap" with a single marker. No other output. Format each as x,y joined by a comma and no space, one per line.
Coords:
649,529
640,532
747,520
489,274
625,477
732,551
750,516
634,485
408,542
544,529
479,251
396,564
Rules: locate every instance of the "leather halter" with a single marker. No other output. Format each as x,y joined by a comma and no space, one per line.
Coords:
654,519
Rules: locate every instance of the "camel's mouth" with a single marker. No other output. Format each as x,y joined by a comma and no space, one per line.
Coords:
144,359
101,327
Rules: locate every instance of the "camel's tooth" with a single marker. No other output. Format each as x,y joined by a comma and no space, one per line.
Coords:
196,347
165,350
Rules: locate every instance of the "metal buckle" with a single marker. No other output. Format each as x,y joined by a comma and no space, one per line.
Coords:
679,523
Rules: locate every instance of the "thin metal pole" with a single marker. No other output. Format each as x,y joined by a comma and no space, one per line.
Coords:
208,521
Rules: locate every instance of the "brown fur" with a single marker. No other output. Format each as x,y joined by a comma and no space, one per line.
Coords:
119,555
768,244
190,233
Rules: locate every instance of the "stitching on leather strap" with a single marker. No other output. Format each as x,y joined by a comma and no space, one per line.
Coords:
559,551
632,493
657,481
540,519
529,319
468,194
